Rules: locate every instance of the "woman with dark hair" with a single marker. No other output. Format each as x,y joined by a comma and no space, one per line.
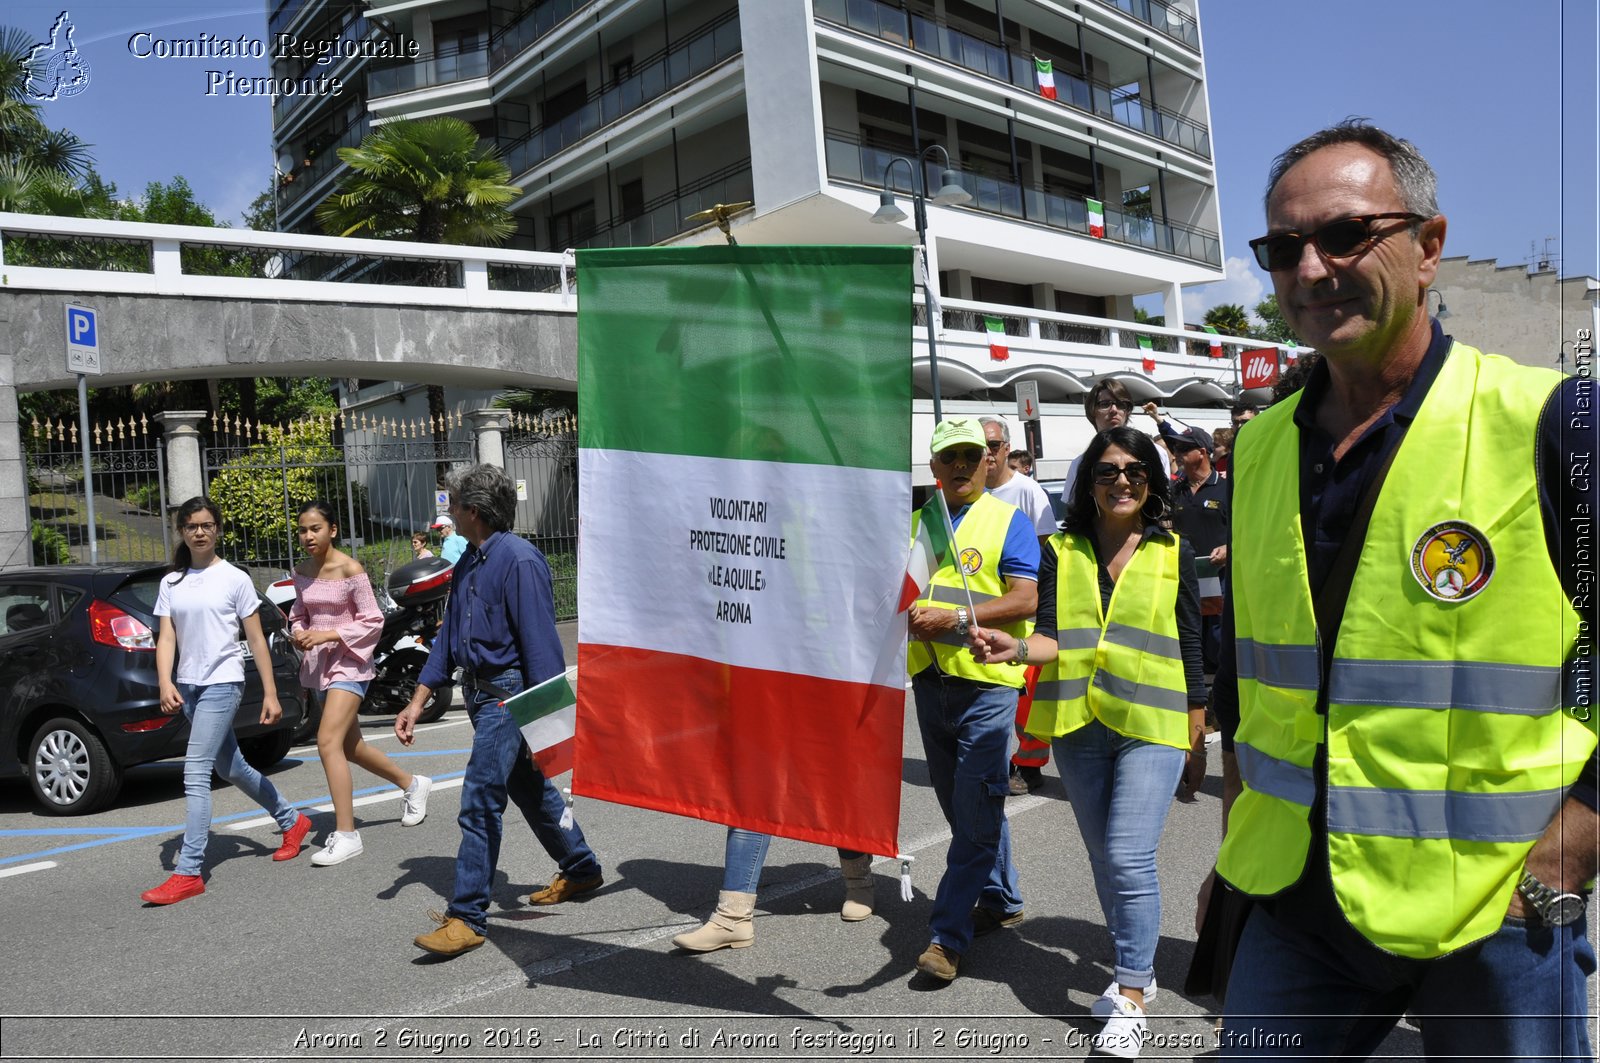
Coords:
336,623
202,604
1122,696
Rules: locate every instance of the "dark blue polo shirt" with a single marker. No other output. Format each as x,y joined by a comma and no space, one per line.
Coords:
1331,492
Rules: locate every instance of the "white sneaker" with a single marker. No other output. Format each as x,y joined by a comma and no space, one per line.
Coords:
416,801
1125,1031
340,847
1105,1005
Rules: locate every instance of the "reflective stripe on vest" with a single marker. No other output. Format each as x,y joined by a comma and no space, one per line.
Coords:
983,529
1448,754
1124,669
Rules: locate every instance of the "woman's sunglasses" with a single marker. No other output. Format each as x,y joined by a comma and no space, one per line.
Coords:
1106,473
1337,239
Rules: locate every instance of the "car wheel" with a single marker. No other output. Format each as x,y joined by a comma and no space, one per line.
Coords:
263,751
70,769
437,705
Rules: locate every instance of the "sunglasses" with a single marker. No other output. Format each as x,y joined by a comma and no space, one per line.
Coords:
996,444
1106,473
1276,252
970,455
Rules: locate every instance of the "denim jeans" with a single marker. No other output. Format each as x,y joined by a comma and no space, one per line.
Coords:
210,710
743,856
500,767
1120,789
1306,983
966,739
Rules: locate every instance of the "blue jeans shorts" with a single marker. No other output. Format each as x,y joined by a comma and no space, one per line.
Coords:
358,689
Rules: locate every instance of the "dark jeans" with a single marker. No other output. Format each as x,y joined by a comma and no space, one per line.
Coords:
500,767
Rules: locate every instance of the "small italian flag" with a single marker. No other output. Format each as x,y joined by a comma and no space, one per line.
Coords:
998,351
1216,345
547,715
1044,70
1149,362
1097,218
928,552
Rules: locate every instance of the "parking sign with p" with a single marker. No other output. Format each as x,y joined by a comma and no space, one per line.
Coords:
83,339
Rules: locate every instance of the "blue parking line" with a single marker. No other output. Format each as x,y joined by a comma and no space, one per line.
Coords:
112,835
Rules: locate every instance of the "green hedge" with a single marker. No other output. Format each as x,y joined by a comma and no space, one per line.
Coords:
50,547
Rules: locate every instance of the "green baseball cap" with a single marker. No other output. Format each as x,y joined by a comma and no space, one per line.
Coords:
957,431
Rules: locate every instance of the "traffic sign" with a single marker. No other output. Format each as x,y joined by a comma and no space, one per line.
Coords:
83,340
441,502
1028,400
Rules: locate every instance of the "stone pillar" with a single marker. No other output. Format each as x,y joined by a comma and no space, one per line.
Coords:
15,548
489,425
181,437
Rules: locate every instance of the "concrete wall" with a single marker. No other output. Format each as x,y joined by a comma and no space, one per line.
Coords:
145,337
14,549
785,106
1509,311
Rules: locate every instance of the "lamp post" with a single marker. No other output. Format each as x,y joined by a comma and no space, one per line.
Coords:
1444,311
950,192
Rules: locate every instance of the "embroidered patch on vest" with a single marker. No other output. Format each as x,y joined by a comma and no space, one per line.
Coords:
971,560
1453,561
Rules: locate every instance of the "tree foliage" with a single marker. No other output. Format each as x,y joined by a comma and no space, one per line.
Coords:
1274,328
1229,319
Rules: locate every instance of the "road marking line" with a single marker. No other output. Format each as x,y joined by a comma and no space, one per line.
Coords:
42,865
370,799
522,976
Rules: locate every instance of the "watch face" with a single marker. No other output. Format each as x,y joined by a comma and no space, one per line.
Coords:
1564,910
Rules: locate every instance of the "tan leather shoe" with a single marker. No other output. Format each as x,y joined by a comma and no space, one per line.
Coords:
451,939
562,888
939,962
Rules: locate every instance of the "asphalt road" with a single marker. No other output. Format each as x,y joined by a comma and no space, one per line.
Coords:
294,961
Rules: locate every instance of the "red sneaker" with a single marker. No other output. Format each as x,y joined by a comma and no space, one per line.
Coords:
175,889
293,839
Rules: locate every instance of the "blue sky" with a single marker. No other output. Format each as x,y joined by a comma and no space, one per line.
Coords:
1501,98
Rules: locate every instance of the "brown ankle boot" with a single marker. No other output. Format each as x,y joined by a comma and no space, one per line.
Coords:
858,888
730,926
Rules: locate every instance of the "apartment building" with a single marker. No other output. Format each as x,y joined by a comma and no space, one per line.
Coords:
620,119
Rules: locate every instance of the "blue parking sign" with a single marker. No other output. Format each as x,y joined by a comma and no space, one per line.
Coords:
83,339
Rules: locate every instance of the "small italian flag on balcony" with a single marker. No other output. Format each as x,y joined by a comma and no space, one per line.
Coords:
1216,344
1097,218
998,351
1149,362
1044,70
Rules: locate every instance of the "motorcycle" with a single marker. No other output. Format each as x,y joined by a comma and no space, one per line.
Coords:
416,593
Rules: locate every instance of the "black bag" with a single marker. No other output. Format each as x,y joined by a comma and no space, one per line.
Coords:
1219,940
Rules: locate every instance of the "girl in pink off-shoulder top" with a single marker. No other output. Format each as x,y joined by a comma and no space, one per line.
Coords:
336,623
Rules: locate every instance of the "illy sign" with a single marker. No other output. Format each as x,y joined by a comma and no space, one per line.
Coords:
1258,368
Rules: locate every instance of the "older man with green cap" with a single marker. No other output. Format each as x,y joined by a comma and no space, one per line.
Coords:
988,577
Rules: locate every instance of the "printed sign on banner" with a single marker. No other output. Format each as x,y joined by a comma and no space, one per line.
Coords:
1259,368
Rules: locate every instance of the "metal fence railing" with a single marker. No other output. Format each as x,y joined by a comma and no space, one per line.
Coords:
129,483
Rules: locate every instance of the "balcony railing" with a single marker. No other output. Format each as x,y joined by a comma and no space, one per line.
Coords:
666,216
528,28
284,14
849,159
970,52
326,159
703,49
357,29
427,72
1164,18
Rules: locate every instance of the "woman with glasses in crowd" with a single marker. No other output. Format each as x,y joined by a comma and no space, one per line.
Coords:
336,623
1122,696
203,603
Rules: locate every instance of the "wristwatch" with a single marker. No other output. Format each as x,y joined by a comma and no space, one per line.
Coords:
1555,909
963,621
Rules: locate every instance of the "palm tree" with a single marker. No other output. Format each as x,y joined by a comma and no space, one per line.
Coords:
40,167
1229,319
431,181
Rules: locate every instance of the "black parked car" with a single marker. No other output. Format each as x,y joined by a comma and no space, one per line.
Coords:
79,699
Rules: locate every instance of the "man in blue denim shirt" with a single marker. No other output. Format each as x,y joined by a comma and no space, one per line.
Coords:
499,629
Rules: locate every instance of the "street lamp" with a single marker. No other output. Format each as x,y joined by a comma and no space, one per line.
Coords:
889,213
1444,311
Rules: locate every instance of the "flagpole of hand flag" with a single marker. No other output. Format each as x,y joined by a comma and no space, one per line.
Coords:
955,547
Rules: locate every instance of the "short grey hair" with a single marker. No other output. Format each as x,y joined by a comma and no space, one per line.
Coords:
488,490
1419,186
1005,432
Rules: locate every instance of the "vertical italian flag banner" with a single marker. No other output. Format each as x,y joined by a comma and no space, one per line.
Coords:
1216,344
999,350
1097,218
1044,70
1146,351
744,446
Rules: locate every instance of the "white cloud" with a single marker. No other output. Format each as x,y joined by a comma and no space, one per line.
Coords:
1243,286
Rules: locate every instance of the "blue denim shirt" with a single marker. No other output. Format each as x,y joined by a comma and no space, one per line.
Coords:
501,615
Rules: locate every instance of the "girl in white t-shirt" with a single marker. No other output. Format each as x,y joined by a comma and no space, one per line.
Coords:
203,602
